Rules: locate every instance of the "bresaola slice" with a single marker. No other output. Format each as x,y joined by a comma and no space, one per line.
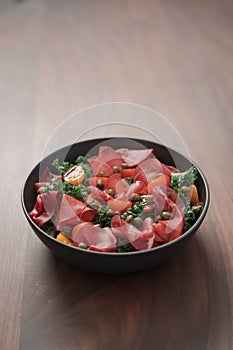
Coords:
96,238
45,207
134,157
98,166
46,178
148,170
109,156
72,212
168,230
140,239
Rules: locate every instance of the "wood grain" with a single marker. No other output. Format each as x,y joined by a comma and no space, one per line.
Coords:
60,56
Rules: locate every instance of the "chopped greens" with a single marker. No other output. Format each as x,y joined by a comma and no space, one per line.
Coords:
129,180
61,168
135,210
78,192
102,218
178,182
189,218
123,246
185,178
49,228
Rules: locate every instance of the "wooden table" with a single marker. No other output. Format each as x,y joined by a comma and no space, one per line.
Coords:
57,57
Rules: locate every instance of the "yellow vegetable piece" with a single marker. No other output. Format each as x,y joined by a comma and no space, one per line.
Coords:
62,238
75,175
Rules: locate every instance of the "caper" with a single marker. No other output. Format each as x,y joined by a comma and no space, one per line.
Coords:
117,213
100,184
124,166
158,218
185,189
129,218
67,230
115,169
101,174
137,221
89,201
196,208
165,215
109,212
94,206
82,245
41,189
148,198
111,192
135,197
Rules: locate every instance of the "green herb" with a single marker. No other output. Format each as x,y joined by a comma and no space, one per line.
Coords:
179,180
135,210
129,180
79,192
123,246
61,168
189,218
185,178
102,218
48,227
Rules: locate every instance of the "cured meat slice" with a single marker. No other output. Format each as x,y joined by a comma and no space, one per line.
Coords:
96,238
127,191
109,156
168,230
140,239
72,212
99,166
45,207
150,169
48,176
134,157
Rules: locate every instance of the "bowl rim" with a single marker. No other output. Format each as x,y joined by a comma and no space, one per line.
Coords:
138,252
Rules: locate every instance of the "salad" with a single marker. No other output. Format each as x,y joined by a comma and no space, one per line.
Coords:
120,200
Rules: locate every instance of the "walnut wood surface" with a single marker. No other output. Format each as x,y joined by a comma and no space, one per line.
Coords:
60,56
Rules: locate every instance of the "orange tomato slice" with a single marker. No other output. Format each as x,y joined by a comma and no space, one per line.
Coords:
74,175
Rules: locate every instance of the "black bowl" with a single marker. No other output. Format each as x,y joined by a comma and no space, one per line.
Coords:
113,262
